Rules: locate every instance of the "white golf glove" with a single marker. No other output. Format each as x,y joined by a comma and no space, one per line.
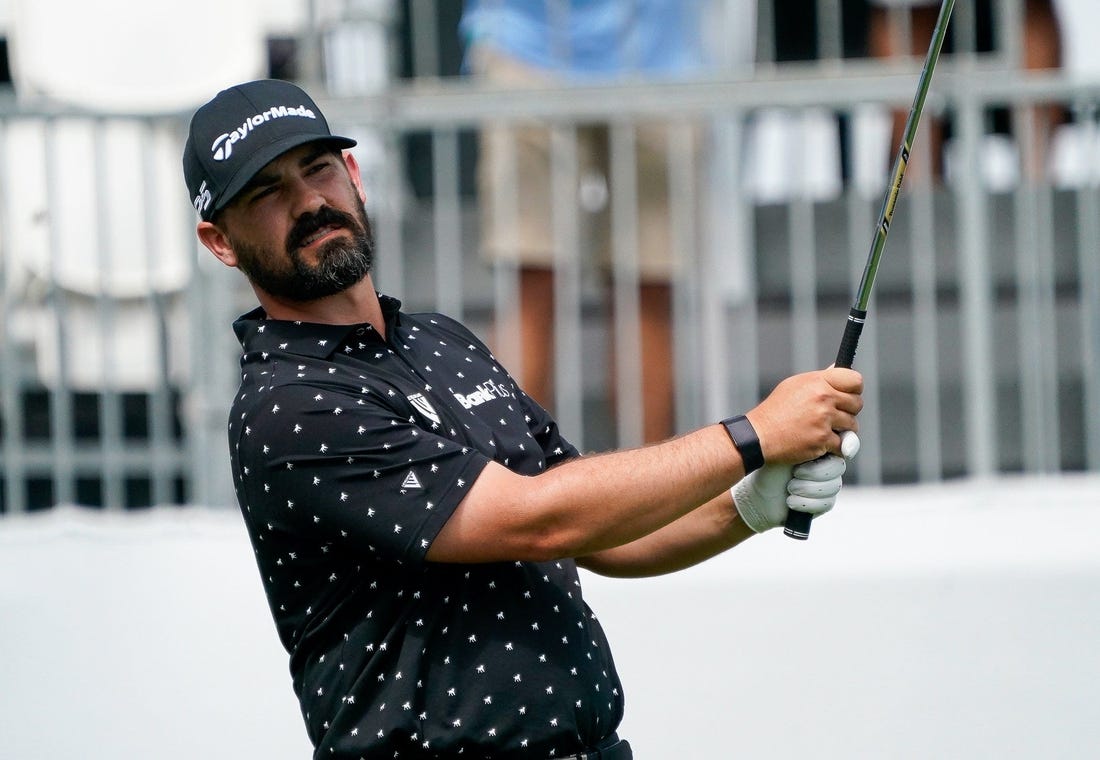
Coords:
763,497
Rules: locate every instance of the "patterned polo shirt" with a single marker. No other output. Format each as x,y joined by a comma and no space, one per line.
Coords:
349,453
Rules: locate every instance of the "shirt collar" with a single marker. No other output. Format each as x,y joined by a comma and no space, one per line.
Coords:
257,332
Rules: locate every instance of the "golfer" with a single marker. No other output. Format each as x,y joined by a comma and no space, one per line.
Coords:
418,520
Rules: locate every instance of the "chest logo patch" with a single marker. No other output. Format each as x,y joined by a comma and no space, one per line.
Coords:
424,407
411,481
484,392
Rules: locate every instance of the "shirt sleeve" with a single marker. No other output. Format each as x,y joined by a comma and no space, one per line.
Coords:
545,430
337,465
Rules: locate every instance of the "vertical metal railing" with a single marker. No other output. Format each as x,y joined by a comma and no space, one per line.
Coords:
389,210
504,203
928,411
728,318
109,406
568,336
686,216
1087,206
14,471
62,427
447,223
626,354
166,467
976,291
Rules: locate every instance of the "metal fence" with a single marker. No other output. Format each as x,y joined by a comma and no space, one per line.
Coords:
108,359
982,354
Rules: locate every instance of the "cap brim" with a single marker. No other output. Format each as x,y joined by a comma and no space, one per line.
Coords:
266,155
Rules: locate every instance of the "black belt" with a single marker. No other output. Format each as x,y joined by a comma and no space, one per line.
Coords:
616,749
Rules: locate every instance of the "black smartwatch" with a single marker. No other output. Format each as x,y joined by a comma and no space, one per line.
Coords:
744,437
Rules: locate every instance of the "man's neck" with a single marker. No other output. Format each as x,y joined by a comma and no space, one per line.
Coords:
356,305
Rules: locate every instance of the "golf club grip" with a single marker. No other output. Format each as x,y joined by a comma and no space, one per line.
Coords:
853,328
797,524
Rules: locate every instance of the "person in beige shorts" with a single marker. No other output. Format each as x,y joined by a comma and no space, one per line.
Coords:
515,168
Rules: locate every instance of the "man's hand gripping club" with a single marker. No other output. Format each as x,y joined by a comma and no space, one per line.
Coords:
802,426
763,497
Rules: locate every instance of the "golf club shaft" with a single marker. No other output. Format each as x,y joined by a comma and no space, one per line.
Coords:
798,523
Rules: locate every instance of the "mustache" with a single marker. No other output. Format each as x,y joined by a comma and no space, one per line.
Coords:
308,224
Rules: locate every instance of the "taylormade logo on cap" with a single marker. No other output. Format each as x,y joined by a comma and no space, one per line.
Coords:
219,159
223,145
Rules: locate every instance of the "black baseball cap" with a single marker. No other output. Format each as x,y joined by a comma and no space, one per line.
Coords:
242,129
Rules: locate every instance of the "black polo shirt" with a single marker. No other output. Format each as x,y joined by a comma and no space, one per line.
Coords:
349,453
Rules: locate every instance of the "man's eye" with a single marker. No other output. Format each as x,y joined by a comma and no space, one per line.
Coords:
263,192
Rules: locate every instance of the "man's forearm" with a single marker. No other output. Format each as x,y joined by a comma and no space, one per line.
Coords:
589,504
699,535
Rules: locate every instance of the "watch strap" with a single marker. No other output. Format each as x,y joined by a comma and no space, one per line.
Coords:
744,437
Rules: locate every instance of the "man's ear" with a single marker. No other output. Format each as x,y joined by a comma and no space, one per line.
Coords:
356,179
216,241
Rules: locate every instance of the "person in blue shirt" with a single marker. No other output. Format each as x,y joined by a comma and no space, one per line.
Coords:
592,39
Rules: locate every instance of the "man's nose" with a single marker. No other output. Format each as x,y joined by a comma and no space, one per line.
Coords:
305,198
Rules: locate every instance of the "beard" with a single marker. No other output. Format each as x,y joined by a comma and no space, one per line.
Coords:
340,264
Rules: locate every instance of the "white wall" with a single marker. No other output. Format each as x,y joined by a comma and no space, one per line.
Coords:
139,636
935,622
952,621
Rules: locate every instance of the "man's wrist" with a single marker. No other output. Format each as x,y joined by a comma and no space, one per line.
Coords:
747,443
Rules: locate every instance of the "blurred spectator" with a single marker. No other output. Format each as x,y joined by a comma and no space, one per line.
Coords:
1042,49
526,43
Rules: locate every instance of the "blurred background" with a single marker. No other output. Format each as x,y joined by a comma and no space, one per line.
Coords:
653,211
